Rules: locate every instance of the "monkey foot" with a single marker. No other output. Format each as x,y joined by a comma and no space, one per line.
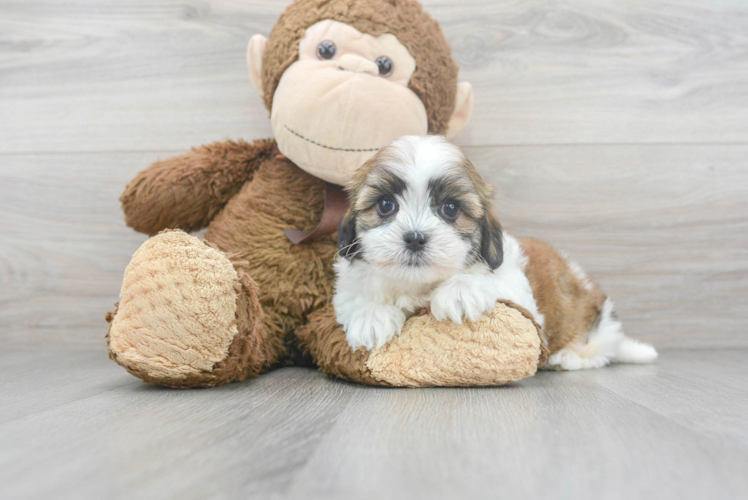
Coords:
501,347
185,315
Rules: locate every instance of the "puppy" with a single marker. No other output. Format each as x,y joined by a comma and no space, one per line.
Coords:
421,232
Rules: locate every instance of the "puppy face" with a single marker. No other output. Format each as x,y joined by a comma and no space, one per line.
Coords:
420,212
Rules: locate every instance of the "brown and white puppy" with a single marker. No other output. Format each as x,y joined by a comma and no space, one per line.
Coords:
421,232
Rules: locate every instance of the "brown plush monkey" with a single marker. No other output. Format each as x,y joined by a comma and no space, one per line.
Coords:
341,79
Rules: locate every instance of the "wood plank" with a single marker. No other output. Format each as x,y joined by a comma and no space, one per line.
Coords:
602,71
618,432
557,435
41,379
64,245
152,442
675,387
663,228
129,75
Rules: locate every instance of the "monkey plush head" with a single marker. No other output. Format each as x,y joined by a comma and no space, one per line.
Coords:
344,78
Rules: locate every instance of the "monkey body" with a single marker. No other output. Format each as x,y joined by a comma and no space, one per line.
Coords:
245,299
293,280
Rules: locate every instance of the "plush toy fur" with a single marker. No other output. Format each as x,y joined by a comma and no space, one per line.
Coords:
199,313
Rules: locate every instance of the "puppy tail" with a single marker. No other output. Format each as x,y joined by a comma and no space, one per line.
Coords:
634,351
625,349
606,344
610,341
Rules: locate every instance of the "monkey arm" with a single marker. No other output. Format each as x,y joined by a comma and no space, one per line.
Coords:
188,190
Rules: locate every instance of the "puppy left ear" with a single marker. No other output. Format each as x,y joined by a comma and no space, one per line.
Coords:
347,236
491,245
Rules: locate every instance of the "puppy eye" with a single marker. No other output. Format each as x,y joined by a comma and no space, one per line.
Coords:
326,50
386,206
450,210
385,65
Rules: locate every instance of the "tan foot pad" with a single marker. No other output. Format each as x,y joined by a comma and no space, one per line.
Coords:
499,348
177,312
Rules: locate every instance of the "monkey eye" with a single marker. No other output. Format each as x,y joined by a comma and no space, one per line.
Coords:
385,206
326,50
450,210
385,65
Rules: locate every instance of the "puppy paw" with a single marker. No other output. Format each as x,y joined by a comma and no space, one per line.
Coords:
462,296
374,325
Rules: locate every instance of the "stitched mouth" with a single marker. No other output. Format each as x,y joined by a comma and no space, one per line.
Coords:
345,150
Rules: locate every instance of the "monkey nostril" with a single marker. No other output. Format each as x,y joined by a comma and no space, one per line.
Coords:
415,241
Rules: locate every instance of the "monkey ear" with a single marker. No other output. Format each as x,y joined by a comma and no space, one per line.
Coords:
463,110
347,236
491,245
255,50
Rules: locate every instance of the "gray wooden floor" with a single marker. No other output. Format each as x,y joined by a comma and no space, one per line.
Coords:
618,131
73,425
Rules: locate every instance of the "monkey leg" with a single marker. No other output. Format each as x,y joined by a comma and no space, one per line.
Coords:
501,347
188,318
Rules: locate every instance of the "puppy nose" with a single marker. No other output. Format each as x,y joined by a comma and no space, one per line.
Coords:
358,64
415,241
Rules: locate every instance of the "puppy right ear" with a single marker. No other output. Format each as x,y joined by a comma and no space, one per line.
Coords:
491,245
347,238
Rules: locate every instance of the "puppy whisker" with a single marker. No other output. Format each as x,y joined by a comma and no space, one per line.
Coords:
345,249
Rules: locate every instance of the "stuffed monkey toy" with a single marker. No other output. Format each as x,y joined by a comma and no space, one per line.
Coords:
341,79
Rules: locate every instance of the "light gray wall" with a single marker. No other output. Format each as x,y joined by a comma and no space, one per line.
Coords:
617,131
